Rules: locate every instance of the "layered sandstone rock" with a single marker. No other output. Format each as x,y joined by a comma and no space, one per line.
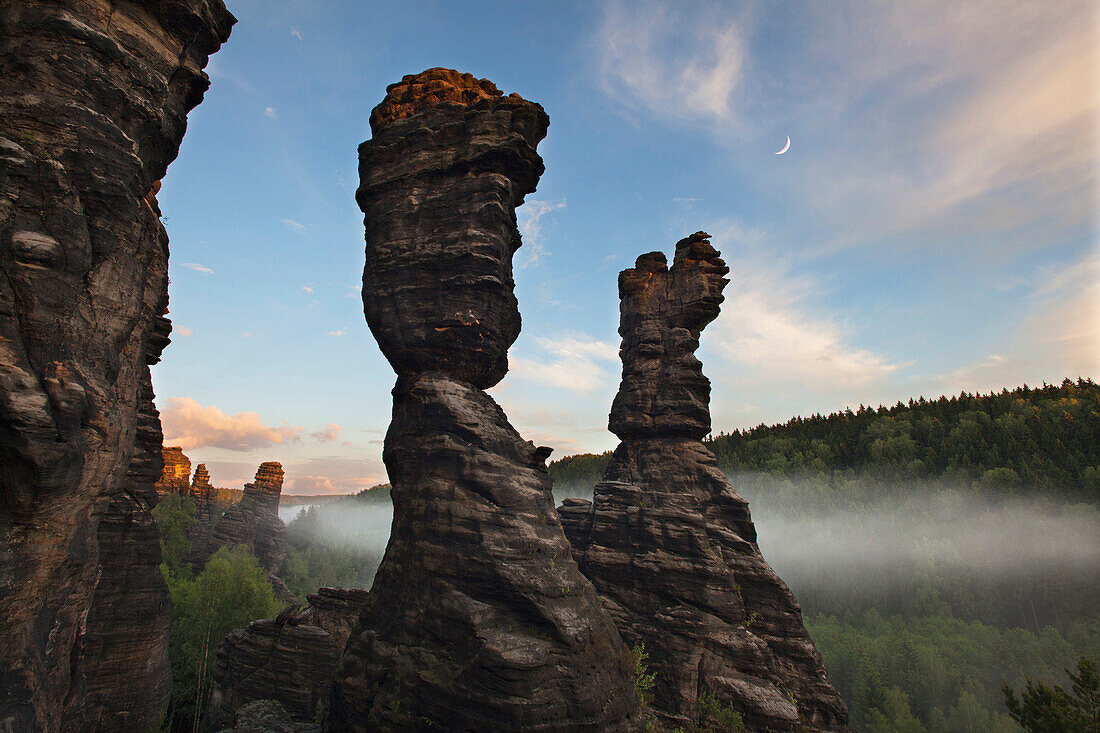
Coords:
93,104
126,638
253,524
175,478
668,542
290,658
478,618
202,493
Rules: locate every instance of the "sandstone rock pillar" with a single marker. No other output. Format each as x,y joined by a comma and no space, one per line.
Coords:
93,103
668,542
478,618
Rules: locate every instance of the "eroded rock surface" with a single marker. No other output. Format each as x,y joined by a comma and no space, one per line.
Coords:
93,103
669,543
253,524
175,478
290,658
478,618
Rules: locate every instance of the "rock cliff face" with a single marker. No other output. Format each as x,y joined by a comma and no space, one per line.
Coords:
176,476
290,658
253,524
93,103
478,618
668,542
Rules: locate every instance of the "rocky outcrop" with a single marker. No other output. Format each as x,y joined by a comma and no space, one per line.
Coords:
667,541
268,716
253,524
478,618
126,638
176,476
290,658
202,493
93,104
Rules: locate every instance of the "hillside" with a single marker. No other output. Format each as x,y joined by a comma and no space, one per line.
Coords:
1045,438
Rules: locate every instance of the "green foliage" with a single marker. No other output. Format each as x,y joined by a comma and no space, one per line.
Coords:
315,560
1045,439
1042,707
230,592
714,716
946,671
636,657
175,515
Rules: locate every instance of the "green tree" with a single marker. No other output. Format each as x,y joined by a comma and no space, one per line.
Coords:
231,591
175,515
1045,709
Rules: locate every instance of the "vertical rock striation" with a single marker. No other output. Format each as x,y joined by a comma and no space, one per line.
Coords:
478,618
668,542
93,103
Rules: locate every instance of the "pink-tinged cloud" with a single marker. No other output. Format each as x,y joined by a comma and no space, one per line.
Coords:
327,434
188,424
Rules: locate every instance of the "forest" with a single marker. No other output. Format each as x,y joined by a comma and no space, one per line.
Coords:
939,549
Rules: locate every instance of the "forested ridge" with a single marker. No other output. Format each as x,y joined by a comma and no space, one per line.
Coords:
1044,438
939,548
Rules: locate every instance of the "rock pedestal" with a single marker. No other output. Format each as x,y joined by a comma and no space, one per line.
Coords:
667,541
478,618
93,103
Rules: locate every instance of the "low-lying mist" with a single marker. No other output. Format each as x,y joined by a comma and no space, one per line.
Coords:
915,548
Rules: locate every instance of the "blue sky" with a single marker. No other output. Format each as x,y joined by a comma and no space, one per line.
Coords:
933,227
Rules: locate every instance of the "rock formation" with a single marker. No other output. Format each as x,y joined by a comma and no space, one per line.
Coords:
290,658
93,104
268,716
668,542
176,475
202,493
253,524
478,618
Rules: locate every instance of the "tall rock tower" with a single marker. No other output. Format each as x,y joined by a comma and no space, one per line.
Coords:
94,98
668,542
478,618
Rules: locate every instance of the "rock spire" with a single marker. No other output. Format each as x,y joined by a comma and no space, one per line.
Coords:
93,104
668,542
478,618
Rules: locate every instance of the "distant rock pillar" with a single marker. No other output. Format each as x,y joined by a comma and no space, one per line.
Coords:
668,542
478,618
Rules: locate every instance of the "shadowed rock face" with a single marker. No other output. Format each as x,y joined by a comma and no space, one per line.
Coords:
478,618
290,658
667,541
253,523
93,104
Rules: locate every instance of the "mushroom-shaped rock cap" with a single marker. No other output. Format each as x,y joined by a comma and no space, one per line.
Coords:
416,93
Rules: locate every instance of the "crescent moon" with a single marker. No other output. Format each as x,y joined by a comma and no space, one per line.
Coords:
785,147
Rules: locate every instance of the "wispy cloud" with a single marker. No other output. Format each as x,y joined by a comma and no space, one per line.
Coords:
574,363
182,331
680,62
327,434
307,289
530,219
775,336
188,424
339,332
197,267
294,226
271,112
296,33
